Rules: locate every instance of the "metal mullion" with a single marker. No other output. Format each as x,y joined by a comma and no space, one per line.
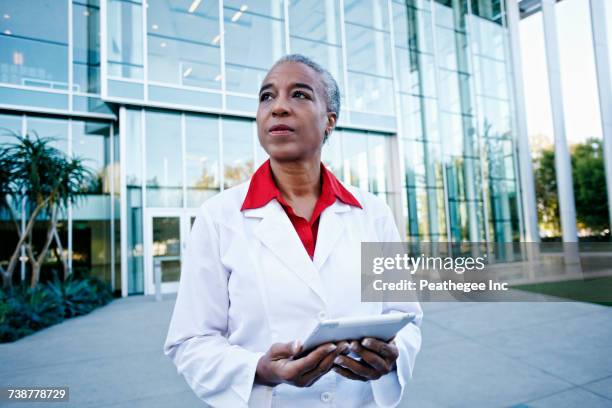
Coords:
145,50
112,203
69,204
222,55
23,257
184,161
103,51
480,138
442,149
123,211
286,17
344,61
398,201
70,56
221,159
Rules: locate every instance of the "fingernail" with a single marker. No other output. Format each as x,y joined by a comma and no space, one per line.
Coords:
366,342
338,360
354,346
331,348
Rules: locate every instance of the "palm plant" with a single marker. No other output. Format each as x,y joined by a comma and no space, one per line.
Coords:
41,181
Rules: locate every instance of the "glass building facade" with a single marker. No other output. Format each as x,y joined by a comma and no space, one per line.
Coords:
160,98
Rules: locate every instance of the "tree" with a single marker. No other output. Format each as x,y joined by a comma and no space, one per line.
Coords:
590,186
547,200
40,181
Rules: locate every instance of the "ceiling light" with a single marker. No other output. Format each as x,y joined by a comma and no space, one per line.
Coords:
155,26
218,78
7,32
187,72
163,45
194,5
216,39
244,7
17,58
6,16
236,16
86,13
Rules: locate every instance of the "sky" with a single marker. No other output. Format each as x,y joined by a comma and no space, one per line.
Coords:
578,76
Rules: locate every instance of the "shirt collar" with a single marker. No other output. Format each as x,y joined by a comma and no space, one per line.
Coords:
263,189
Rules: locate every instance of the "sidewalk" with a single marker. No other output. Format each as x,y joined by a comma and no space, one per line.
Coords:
473,354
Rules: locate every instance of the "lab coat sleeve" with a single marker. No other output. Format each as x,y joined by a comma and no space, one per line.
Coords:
221,374
389,390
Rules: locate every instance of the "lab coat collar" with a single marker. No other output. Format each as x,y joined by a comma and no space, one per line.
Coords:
276,232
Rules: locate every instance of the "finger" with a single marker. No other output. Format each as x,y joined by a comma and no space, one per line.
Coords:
312,359
344,347
356,367
388,351
348,374
282,350
310,377
373,359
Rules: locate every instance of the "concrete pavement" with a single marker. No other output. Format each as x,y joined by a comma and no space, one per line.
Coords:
555,354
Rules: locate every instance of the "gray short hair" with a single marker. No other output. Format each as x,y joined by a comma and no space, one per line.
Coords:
332,92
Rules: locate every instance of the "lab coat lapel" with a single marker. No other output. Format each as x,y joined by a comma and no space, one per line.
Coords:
276,232
331,228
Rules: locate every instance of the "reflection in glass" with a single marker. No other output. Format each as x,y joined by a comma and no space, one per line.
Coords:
167,247
184,46
201,158
252,43
163,160
237,151
34,54
125,40
86,48
56,129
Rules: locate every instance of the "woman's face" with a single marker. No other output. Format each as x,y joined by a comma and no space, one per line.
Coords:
292,113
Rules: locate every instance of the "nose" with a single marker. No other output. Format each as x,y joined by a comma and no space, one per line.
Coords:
280,106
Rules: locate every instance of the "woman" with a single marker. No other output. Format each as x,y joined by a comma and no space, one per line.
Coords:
268,259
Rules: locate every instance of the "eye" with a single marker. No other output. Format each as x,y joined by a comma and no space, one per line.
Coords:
301,95
264,96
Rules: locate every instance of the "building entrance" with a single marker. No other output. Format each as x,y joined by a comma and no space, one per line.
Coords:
165,235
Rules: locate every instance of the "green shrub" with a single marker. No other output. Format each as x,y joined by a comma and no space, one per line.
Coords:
24,310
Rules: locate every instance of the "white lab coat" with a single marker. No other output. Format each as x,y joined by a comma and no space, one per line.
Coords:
247,282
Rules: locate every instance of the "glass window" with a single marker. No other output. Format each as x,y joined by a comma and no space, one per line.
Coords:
34,44
369,13
163,160
355,160
184,43
86,47
56,129
91,243
369,93
368,51
253,42
331,154
9,125
201,158
125,40
237,151
489,9
379,163
315,32
91,142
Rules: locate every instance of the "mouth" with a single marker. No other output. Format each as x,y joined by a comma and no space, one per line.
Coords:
278,130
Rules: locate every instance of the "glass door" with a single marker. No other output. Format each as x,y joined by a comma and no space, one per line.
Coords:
166,232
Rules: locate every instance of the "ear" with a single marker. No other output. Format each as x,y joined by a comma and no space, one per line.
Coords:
331,121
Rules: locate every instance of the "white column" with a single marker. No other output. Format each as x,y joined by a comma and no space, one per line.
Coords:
530,215
604,86
563,167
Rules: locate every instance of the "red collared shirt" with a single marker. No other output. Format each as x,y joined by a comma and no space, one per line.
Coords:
263,189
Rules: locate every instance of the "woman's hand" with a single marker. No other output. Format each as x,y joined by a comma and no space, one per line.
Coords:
377,359
277,367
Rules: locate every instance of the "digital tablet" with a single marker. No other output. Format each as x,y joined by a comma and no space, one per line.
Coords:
383,327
